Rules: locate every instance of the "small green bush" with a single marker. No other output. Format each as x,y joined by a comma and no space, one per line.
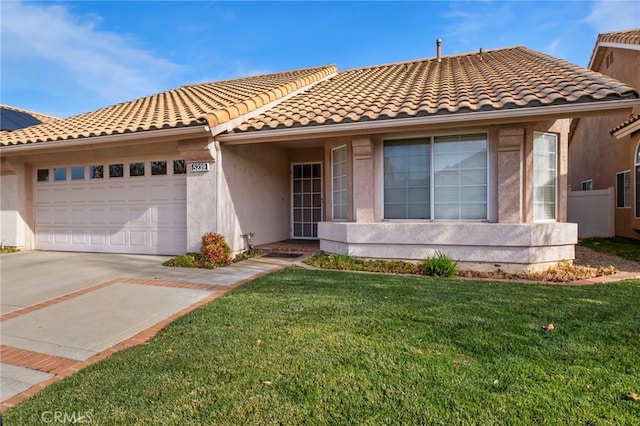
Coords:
187,260
215,250
439,265
345,262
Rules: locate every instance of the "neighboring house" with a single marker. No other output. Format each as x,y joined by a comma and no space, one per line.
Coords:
604,151
466,154
12,118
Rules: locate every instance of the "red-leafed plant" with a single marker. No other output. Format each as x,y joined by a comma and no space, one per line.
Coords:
215,250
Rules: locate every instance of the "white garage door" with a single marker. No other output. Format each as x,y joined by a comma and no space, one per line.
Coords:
118,207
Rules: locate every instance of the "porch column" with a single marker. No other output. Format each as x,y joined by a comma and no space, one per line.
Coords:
202,193
363,179
510,145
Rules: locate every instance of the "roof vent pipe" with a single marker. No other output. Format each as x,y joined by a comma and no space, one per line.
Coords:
439,50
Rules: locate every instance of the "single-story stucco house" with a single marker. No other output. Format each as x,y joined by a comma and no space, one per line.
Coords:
604,151
466,154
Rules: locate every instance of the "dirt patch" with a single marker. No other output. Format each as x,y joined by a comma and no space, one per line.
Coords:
589,257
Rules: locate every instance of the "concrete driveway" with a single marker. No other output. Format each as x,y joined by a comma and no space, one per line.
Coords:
63,311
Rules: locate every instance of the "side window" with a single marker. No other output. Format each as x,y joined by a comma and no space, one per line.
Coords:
339,182
545,175
637,180
623,189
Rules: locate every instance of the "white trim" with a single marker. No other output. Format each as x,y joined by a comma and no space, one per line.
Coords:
292,221
396,124
636,164
557,153
627,130
96,140
346,189
624,206
619,45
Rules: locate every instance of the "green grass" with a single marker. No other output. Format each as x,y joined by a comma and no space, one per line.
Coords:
627,248
325,347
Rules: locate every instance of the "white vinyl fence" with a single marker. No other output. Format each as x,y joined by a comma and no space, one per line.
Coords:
593,211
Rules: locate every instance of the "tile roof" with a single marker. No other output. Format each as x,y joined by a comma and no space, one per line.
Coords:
632,119
621,37
198,104
499,79
629,38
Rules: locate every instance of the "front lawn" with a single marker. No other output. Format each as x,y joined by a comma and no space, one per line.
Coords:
325,347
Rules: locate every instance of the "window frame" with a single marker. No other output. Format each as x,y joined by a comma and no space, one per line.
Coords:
636,185
345,190
431,141
626,199
589,185
556,178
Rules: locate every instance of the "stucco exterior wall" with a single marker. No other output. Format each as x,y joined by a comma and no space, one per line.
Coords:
16,195
476,246
594,154
11,222
254,194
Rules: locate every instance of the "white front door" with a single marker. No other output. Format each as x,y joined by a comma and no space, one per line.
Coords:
114,207
306,199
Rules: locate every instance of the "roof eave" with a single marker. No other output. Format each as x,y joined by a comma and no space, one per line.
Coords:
398,124
627,130
189,132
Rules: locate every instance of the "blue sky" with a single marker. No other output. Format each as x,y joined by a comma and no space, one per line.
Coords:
67,57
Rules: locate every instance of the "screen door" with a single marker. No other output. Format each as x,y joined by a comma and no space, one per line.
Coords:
307,199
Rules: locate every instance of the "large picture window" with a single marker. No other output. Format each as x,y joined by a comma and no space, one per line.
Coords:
339,182
545,175
442,177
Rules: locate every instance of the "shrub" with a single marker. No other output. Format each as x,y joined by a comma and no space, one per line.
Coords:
215,250
439,265
187,260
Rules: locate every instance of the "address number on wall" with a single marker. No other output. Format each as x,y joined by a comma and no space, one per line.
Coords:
199,167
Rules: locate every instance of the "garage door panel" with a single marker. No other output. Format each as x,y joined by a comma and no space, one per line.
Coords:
43,196
118,238
117,194
77,195
61,236
98,238
143,214
118,215
79,237
80,216
60,195
138,238
44,216
43,236
138,216
138,193
61,217
160,193
96,194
